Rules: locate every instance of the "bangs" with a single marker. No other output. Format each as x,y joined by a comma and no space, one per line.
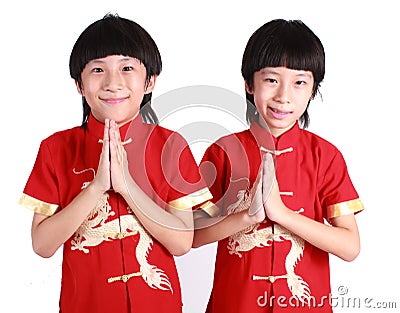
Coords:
114,36
291,53
283,43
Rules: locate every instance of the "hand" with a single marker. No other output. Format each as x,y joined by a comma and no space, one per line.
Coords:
118,160
272,200
256,210
102,180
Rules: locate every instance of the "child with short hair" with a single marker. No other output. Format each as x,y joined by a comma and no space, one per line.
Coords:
120,223
273,244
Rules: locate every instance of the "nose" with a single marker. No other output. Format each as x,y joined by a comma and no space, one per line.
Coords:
112,81
283,94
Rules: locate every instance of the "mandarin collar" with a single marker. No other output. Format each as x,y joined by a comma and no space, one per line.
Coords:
96,128
267,140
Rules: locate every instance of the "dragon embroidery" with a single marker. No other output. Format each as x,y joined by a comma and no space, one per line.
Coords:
94,230
253,236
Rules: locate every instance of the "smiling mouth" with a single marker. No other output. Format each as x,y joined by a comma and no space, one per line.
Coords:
114,100
279,114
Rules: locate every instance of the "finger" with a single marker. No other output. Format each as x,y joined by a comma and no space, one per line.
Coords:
268,178
120,147
117,133
257,201
106,131
114,144
105,153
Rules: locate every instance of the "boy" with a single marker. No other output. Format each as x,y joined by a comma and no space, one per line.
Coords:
119,222
273,244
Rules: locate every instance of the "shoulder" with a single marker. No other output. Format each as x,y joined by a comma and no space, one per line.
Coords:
63,137
326,154
157,139
318,143
241,139
163,135
235,145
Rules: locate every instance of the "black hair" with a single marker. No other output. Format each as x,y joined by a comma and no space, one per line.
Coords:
283,43
114,35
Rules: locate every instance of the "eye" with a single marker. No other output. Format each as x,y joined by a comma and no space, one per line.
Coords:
271,80
97,70
301,82
127,68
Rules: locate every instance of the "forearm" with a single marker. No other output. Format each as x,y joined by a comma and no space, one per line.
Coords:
220,227
173,229
341,239
49,233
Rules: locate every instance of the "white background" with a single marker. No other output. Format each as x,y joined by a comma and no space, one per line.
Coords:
202,43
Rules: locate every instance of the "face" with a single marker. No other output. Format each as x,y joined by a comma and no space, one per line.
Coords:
281,96
114,87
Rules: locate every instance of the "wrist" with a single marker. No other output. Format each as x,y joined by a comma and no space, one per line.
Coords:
95,189
126,188
251,219
280,213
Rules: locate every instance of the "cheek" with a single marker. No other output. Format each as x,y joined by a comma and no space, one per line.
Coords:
260,99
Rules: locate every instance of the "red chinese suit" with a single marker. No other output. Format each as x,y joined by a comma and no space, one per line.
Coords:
266,268
111,263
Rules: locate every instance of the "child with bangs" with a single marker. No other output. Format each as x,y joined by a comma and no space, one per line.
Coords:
108,191
273,242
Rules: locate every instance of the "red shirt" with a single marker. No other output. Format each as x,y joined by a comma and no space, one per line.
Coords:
266,268
111,263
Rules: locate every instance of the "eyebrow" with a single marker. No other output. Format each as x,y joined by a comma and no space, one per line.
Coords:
99,61
266,72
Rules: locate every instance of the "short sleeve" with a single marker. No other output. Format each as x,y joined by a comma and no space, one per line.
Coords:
41,190
337,193
187,188
215,169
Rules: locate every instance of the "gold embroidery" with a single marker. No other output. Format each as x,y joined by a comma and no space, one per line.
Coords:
94,230
124,278
253,237
344,208
120,235
37,206
244,197
191,200
86,183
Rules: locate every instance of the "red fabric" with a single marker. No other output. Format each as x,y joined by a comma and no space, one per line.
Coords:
316,174
66,163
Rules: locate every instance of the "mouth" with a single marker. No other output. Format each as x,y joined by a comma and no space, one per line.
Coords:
279,114
113,101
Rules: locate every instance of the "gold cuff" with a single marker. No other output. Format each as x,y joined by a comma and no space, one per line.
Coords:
344,208
37,206
191,200
211,209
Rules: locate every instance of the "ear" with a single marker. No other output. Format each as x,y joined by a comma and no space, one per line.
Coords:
149,87
80,90
246,86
